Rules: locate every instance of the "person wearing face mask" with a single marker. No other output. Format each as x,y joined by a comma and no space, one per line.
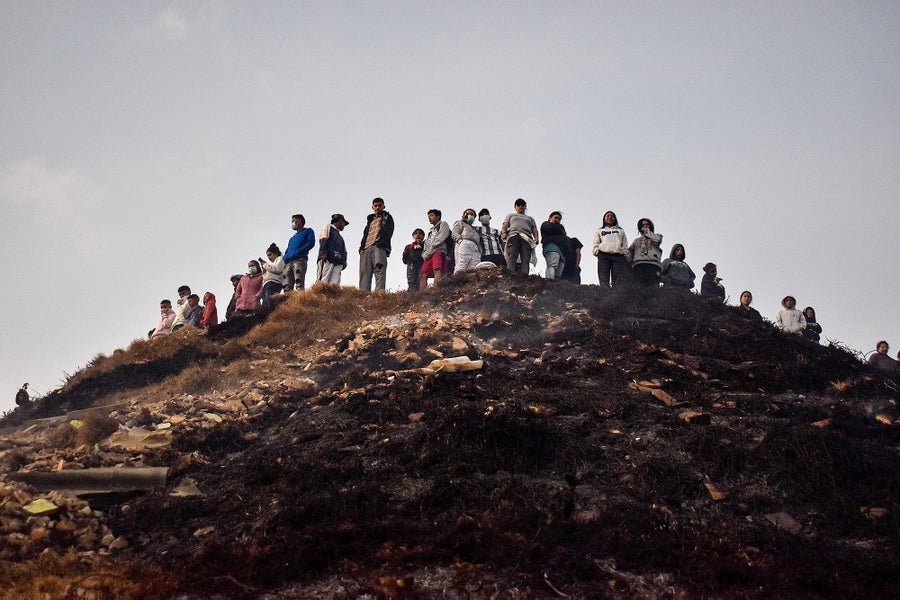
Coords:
491,244
249,289
332,251
296,256
467,242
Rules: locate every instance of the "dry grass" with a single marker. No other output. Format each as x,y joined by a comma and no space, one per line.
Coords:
92,428
323,312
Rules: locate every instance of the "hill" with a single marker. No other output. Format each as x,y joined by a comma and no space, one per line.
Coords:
628,443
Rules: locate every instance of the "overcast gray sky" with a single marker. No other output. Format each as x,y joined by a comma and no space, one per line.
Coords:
151,144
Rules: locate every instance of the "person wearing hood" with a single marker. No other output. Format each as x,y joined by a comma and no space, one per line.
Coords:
557,249
467,242
711,284
229,310
249,289
675,272
611,249
645,254
167,318
375,247
296,255
813,330
273,272
210,317
491,243
789,319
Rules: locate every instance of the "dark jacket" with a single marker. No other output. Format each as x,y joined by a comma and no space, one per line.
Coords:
384,234
333,249
677,272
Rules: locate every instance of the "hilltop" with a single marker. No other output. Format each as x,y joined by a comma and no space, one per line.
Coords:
629,443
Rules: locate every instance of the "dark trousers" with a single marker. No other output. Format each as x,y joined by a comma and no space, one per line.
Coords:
611,267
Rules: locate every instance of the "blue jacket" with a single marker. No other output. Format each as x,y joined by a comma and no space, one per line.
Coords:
300,244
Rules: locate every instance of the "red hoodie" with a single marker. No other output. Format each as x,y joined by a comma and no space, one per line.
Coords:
210,315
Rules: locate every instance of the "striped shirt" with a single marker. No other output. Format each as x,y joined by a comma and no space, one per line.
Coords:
490,241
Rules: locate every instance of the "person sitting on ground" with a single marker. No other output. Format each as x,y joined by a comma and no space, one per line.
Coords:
789,319
296,255
412,258
167,319
181,309
195,310
467,242
210,317
229,310
746,309
813,329
332,251
881,360
677,273
711,284
556,245
273,272
572,268
434,252
645,254
491,243
521,235
611,249
22,397
249,290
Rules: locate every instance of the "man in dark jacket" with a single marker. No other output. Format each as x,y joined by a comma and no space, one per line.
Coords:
375,247
332,251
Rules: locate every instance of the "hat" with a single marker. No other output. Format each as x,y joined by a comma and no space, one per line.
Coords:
236,277
339,217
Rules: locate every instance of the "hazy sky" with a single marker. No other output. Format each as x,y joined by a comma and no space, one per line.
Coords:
151,144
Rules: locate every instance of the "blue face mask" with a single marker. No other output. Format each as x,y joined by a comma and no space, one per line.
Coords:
470,219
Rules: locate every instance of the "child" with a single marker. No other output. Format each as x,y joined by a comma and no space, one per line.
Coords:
789,319
813,329
412,258
676,272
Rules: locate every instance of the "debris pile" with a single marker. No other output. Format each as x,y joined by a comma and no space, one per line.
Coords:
492,437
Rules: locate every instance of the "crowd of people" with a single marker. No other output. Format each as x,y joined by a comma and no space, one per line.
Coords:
471,243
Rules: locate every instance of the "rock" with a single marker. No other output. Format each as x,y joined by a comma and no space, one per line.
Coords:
784,521
40,507
204,530
715,492
120,543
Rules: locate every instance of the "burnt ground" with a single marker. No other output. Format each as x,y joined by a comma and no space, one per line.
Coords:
618,444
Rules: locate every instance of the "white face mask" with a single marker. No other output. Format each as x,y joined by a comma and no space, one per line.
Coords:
294,225
485,220
253,270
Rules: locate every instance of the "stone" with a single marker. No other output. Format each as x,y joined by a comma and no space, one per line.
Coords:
784,521
695,418
120,543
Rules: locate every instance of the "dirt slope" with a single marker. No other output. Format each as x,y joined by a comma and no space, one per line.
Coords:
626,444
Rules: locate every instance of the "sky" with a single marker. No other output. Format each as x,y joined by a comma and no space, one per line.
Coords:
149,144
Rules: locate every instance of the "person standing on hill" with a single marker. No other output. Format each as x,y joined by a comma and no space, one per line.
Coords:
521,234
645,253
711,284
491,243
273,271
249,289
434,253
557,248
789,319
412,258
229,310
467,242
675,272
813,330
210,318
332,251
572,268
296,255
611,250
375,247
881,360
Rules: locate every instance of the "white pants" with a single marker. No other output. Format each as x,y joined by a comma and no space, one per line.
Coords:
468,254
330,272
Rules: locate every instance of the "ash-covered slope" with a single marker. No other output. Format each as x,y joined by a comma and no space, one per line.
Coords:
627,443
